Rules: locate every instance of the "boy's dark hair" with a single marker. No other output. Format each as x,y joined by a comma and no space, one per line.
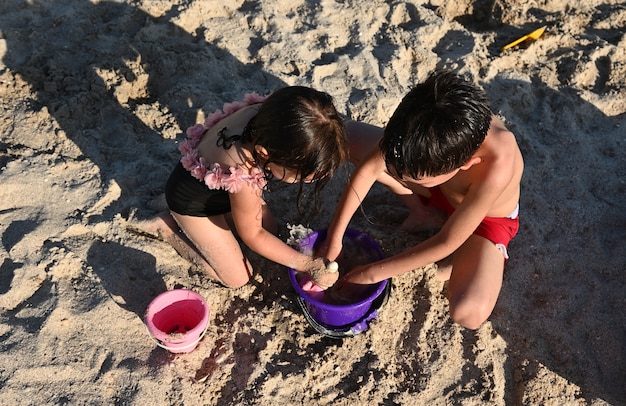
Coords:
301,131
436,128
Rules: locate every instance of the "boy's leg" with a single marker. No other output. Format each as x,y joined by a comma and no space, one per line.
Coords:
475,282
421,217
444,269
210,244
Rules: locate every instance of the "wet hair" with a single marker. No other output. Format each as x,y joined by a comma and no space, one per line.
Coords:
437,127
302,132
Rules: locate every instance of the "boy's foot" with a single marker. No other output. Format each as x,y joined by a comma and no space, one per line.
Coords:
443,270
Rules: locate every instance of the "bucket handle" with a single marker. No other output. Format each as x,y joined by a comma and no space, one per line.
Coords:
194,342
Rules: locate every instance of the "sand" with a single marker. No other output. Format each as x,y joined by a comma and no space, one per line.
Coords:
95,97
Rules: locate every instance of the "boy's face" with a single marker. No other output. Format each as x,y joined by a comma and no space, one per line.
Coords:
430,181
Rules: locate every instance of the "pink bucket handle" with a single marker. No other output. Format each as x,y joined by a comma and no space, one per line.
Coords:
180,349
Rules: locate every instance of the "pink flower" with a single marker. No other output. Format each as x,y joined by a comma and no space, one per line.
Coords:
257,178
199,170
253,98
196,132
213,177
232,183
214,118
230,108
190,159
186,147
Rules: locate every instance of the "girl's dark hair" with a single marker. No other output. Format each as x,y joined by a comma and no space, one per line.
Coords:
301,131
437,127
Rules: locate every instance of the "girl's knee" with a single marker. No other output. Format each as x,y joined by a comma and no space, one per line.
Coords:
235,279
235,285
230,282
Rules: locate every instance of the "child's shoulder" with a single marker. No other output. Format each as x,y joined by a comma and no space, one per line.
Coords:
500,141
497,126
501,158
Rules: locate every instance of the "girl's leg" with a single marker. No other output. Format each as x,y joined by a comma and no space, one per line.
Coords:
210,244
475,282
165,228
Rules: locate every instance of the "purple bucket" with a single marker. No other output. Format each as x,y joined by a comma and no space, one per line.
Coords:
343,319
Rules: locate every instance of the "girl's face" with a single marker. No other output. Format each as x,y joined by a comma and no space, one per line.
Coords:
279,172
286,175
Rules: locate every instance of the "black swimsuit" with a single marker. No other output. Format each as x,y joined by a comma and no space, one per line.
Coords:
187,196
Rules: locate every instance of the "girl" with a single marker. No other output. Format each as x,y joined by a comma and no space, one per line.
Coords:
215,192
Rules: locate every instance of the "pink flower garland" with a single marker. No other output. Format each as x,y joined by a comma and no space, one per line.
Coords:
216,177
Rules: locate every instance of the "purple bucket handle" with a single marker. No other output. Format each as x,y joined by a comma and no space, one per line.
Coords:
363,325
356,328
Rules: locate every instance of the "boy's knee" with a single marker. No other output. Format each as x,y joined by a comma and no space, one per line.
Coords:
470,315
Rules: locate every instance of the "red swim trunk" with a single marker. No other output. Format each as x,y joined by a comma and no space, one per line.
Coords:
499,230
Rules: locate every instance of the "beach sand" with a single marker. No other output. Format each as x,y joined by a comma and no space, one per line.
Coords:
94,99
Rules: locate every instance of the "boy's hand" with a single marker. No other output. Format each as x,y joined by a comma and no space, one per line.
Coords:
349,289
357,276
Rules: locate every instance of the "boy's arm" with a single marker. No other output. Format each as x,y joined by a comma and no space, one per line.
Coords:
457,229
355,191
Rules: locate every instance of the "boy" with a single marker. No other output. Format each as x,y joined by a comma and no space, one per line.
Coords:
442,148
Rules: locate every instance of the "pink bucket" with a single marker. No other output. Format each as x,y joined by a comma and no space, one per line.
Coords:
177,320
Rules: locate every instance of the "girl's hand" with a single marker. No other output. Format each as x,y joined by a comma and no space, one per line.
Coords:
329,250
320,272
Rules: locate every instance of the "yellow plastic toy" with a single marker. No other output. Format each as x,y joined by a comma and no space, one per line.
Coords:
532,36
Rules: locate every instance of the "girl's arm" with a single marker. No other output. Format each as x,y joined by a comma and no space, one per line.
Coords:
355,191
247,213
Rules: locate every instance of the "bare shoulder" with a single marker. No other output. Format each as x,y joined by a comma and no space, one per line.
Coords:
501,168
218,144
501,134
500,150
